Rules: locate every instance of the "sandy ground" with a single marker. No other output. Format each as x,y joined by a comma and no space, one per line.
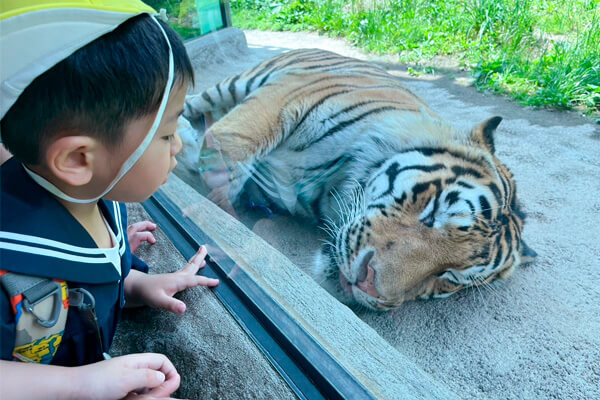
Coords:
535,335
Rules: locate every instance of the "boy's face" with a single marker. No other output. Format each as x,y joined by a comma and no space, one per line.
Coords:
152,169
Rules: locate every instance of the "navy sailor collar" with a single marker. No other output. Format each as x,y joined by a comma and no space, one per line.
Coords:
39,237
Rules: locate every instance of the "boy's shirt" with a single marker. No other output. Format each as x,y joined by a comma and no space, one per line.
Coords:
39,237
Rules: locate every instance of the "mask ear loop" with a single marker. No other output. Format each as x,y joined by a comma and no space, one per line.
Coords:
133,158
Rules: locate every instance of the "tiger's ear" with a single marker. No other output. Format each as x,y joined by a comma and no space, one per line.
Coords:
528,255
483,134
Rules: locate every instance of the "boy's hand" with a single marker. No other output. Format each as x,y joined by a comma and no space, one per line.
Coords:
126,376
135,376
140,232
158,290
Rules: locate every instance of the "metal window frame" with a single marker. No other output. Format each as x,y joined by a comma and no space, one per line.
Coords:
310,370
226,14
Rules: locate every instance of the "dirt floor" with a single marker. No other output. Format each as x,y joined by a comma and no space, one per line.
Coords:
535,335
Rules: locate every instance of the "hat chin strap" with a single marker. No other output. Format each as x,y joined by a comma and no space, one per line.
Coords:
133,158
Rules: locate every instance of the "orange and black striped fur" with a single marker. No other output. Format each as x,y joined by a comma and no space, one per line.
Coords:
413,208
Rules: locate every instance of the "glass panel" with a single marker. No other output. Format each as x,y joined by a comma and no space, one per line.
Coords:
236,166
264,203
192,18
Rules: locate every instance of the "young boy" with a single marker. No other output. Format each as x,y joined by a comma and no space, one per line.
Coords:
91,92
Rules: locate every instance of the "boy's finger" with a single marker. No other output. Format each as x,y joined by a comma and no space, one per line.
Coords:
146,226
196,261
204,281
155,361
146,237
135,396
173,305
138,238
170,385
142,226
144,378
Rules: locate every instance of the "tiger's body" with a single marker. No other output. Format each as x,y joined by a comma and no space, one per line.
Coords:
413,208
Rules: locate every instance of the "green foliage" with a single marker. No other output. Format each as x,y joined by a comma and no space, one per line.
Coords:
186,7
510,45
180,9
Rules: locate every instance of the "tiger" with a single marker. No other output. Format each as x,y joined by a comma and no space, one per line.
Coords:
412,208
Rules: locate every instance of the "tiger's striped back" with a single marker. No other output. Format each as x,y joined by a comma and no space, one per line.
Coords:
222,97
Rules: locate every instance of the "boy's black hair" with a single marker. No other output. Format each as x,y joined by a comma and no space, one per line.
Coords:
97,90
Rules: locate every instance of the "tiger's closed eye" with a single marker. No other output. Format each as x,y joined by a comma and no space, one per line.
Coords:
428,221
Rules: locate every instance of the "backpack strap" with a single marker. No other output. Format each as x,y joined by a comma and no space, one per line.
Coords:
40,306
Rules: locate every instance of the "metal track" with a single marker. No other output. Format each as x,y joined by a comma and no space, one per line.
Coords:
310,371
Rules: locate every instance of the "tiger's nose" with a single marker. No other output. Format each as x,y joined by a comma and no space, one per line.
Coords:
365,279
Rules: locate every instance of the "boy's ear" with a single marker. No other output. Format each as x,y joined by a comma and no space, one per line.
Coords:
71,159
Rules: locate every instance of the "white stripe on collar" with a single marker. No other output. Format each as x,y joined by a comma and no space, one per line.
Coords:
121,236
36,241
56,254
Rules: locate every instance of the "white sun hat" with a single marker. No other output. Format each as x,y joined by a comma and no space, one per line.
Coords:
37,34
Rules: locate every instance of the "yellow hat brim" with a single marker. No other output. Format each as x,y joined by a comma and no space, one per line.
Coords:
11,8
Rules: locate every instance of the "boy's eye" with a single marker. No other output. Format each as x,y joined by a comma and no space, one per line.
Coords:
169,138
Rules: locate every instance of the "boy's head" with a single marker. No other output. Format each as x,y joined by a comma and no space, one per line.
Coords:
98,91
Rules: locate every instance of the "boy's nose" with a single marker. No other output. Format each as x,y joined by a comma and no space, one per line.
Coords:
177,144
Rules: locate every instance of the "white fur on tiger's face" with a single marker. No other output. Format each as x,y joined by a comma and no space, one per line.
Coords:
412,207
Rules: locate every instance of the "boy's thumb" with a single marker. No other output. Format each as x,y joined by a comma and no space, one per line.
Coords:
147,378
175,306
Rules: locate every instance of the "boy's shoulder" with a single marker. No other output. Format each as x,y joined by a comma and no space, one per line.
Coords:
39,237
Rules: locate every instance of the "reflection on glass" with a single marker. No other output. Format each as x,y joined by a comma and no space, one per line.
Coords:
192,18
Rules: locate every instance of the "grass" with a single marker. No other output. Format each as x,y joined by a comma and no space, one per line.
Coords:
541,52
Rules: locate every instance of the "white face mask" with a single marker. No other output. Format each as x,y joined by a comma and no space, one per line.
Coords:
133,158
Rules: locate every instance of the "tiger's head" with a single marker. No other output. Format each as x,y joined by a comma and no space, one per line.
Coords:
433,220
